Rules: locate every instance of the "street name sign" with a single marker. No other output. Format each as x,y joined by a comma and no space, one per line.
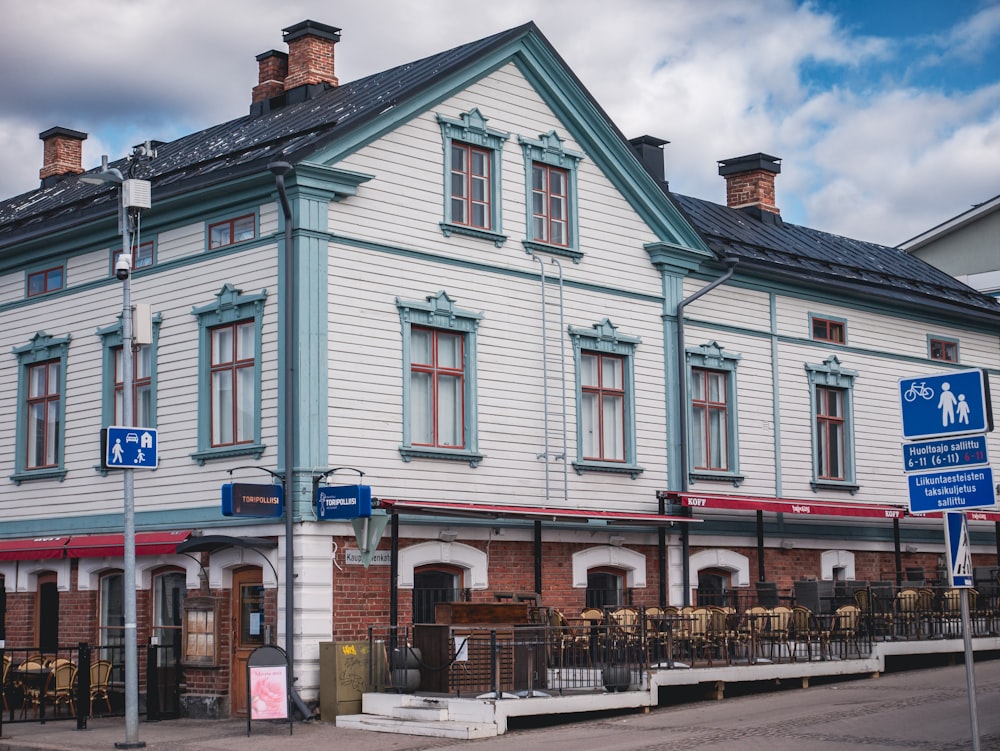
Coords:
951,490
344,502
131,448
245,499
955,403
962,451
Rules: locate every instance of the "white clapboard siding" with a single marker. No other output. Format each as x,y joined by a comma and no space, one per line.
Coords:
408,169
178,482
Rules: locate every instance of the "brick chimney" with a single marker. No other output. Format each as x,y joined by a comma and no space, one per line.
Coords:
63,154
272,69
310,54
750,181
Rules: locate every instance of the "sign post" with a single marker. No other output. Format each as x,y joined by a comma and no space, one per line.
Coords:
950,475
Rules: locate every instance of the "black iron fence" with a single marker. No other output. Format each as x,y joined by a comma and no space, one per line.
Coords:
76,683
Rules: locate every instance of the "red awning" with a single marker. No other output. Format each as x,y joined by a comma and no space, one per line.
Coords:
32,548
788,506
495,511
113,545
972,516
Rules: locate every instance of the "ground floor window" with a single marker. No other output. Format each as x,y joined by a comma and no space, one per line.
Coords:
712,587
48,614
431,586
605,588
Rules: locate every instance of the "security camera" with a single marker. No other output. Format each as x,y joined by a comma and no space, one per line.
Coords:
123,266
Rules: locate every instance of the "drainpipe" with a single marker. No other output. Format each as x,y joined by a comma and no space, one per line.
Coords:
280,169
682,412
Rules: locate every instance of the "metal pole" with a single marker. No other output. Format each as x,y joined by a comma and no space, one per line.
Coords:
128,418
970,676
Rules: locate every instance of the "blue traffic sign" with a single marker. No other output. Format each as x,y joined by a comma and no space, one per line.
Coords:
955,403
956,534
961,451
131,448
951,490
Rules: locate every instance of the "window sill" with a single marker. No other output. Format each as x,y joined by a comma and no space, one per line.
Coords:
851,487
735,479
54,473
227,452
619,468
532,246
483,234
449,455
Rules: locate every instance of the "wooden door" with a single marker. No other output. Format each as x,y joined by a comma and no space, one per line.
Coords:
247,631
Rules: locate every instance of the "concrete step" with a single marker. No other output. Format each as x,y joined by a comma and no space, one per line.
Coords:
432,729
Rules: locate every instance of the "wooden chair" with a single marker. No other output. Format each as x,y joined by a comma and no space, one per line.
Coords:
3,684
847,621
58,688
100,676
805,628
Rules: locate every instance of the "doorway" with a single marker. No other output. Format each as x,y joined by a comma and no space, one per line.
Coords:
247,630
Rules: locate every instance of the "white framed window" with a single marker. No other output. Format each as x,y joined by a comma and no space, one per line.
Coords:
713,434
831,395
230,375
605,399
551,196
439,380
41,409
472,164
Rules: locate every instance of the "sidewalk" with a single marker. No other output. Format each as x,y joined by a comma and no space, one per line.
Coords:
199,735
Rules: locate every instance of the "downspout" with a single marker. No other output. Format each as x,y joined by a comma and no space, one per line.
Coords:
545,379
280,169
682,411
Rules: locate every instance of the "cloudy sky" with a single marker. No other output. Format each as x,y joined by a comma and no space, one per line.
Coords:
886,113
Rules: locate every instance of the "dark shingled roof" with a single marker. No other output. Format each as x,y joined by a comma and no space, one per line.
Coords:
769,247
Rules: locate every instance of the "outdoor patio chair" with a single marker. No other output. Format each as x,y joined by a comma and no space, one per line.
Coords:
100,676
846,624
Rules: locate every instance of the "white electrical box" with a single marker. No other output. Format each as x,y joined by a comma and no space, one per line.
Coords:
142,323
137,194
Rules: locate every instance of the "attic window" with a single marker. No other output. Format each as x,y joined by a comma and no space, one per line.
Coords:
43,282
828,330
945,350
231,231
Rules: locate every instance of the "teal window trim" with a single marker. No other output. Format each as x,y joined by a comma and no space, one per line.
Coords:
711,356
830,374
943,342
231,218
231,306
439,312
603,338
41,348
842,322
111,340
470,129
548,149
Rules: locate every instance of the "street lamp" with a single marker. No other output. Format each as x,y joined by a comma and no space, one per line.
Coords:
135,195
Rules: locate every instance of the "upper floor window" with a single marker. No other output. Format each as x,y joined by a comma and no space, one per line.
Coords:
828,330
713,424
472,159
230,381
605,396
439,388
552,216
143,378
41,408
832,389
231,231
943,349
142,256
48,280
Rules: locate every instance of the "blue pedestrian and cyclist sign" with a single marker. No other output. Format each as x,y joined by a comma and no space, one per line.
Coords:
131,448
954,403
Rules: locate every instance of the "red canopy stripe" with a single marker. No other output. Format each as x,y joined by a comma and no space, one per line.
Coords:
788,506
32,548
113,545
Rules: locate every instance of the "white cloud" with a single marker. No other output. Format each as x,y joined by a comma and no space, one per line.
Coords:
717,79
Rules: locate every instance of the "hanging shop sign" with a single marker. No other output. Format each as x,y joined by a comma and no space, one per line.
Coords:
242,499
